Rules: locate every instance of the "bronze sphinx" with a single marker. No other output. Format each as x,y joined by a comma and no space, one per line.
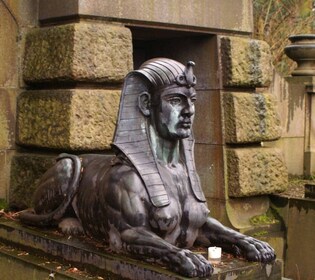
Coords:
147,200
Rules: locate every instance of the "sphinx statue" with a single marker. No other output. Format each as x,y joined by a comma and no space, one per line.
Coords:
147,199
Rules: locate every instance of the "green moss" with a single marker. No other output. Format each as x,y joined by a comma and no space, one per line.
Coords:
3,204
260,233
264,219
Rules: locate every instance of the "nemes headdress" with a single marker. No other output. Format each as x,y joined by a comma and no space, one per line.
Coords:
132,135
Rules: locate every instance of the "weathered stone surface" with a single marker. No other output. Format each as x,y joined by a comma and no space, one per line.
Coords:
8,49
74,119
245,62
255,171
5,164
93,52
250,117
207,128
241,210
298,215
26,170
7,118
186,14
209,162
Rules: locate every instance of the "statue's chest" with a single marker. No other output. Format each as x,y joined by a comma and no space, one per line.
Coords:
182,218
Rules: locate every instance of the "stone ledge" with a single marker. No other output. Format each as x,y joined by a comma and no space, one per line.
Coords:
255,171
197,14
73,119
245,62
92,256
250,117
79,52
19,264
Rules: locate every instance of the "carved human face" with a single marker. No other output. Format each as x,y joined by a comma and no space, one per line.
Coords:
173,112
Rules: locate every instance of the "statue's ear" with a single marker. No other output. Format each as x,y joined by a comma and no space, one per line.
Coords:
144,103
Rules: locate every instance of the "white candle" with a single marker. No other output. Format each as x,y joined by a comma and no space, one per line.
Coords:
214,253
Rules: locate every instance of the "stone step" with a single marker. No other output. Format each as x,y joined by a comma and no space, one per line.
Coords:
86,254
16,264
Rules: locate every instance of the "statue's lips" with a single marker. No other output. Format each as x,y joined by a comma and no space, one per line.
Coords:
185,124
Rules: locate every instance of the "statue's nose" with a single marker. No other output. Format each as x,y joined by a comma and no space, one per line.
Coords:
189,108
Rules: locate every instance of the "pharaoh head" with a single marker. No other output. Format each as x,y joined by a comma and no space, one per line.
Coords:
170,103
159,96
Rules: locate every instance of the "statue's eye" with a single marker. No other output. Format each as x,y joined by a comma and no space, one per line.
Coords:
193,99
175,100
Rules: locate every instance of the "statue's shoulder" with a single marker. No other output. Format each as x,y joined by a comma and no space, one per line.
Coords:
125,175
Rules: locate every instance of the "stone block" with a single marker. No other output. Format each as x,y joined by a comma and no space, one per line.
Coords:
70,119
26,170
250,117
80,52
7,118
245,62
255,171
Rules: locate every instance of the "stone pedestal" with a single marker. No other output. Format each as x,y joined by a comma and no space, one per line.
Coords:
98,260
302,50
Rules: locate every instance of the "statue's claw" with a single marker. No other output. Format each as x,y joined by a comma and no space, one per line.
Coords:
254,250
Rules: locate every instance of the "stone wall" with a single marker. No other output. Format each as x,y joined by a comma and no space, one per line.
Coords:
16,17
250,117
295,95
74,73
74,69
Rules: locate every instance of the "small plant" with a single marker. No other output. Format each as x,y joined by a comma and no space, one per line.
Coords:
264,219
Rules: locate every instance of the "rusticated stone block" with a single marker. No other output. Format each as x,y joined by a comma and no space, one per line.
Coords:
93,52
73,119
250,117
26,170
245,62
255,171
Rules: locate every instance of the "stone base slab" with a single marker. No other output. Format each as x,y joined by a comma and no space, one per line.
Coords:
97,258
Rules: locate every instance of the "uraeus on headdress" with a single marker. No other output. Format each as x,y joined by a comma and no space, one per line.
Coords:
187,78
132,136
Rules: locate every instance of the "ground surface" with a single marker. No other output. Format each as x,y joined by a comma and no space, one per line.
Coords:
296,187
